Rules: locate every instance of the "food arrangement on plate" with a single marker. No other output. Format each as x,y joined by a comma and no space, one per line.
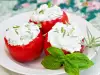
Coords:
22,42
49,30
48,16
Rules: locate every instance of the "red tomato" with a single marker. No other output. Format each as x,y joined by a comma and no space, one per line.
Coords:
47,45
25,53
47,25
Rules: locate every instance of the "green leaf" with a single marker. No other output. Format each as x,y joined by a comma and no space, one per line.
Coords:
71,70
49,4
56,52
79,60
51,62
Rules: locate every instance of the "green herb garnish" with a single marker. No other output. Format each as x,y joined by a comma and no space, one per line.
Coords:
16,26
28,32
63,31
49,4
27,27
16,31
41,12
21,38
91,41
72,31
72,63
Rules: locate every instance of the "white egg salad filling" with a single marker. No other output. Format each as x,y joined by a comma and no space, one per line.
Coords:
66,37
45,13
22,35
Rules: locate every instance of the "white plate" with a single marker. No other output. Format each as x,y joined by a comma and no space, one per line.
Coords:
35,67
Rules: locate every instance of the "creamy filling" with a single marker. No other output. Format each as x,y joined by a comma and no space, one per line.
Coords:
22,35
44,13
67,37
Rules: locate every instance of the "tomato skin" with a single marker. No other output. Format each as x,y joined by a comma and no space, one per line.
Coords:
64,18
47,45
47,25
29,52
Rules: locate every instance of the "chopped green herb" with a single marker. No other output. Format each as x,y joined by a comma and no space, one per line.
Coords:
63,31
16,26
16,31
28,32
41,12
27,26
68,34
71,30
21,38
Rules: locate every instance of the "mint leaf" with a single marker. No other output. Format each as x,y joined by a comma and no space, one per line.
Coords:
51,62
71,70
56,52
72,63
49,4
80,60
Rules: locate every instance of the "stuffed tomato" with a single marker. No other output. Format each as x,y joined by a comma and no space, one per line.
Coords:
47,17
65,37
25,42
